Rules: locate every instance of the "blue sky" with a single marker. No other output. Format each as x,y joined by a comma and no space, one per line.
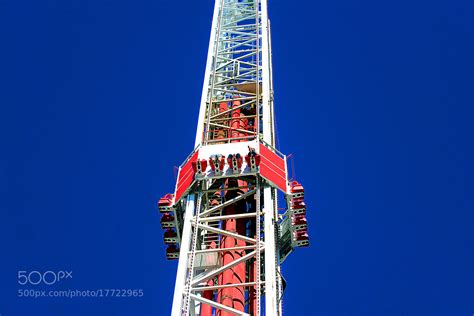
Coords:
99,100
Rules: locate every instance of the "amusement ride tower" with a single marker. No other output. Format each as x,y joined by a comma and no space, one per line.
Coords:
223,222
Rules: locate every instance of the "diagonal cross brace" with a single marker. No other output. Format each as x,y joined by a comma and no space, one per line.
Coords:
217,305
226,233
213,273
227,203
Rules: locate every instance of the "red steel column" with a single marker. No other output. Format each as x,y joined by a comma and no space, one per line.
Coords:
233,296
220,133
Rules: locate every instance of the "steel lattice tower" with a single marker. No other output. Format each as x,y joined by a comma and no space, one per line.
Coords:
223,221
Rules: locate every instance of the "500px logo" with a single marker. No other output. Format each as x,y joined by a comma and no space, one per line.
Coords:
47,277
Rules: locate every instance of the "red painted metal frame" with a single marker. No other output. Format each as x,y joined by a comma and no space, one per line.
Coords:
185,176
272,168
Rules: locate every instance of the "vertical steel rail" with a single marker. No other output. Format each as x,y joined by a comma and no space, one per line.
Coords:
192,254
183,255
210,93
205,86
257,89
258,253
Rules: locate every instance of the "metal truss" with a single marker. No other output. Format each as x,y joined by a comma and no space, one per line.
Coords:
235,74
203,258
236,106
223,221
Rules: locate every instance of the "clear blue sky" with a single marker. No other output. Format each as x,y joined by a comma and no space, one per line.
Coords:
99,100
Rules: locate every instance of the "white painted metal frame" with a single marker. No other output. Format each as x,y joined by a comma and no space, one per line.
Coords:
194,226
234,73
183,257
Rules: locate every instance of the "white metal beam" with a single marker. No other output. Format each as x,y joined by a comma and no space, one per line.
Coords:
271,304
216,287
207,74
266,119
183,258
225,249
223,217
